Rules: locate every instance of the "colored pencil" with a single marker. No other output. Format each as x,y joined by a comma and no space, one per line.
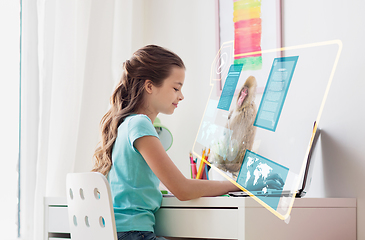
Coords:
201,166
193,166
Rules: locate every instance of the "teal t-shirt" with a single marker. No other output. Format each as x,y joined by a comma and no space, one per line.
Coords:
134,187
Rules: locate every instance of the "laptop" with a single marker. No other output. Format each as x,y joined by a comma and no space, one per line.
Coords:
307,176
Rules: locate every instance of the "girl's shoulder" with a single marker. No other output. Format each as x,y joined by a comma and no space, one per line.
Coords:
138,117
139,125
137,120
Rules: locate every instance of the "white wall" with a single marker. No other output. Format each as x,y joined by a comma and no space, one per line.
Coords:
188,28
340,166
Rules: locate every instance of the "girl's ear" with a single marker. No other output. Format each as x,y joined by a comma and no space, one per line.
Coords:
148,86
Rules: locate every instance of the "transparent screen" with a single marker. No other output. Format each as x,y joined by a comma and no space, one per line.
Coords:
260,118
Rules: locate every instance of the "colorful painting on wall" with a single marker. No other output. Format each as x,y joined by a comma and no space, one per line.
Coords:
247,33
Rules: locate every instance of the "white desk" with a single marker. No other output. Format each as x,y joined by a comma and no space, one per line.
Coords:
234,218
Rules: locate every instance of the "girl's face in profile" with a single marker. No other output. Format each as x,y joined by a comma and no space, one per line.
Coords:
166,98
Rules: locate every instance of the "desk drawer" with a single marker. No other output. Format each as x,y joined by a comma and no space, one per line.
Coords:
305,223
195,222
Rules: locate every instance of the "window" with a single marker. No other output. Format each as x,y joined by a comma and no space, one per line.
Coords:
10,117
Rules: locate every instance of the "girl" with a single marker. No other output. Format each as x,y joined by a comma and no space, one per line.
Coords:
130,152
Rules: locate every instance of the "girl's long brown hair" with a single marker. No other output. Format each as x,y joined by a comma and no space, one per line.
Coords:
148,63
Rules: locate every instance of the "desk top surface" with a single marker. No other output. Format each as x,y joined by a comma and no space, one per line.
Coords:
227,202
234,202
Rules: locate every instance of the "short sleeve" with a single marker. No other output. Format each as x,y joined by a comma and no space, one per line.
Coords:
140,126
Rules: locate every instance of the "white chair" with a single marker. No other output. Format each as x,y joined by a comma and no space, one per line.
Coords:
90,207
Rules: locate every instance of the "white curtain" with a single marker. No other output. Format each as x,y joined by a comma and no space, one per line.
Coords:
81,48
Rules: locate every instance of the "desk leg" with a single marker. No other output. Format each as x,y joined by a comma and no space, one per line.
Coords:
241,223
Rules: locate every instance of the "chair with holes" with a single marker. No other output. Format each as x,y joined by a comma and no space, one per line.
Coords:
90,207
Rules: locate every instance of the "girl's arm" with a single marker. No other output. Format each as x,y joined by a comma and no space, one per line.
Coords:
184,189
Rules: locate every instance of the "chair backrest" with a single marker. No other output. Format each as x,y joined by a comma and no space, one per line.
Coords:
90,207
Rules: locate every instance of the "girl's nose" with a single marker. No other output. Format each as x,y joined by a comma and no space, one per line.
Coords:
181,97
